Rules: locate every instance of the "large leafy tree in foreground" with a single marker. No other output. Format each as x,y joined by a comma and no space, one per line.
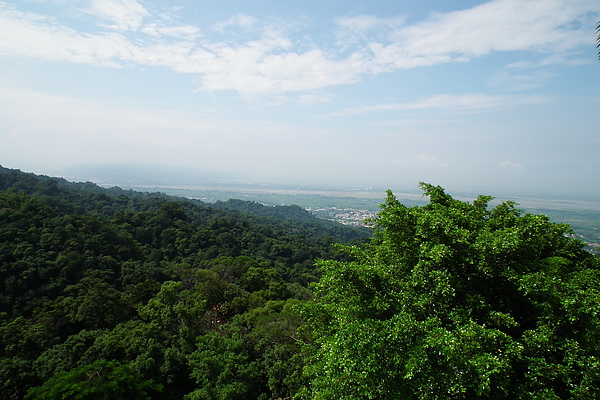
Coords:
454,300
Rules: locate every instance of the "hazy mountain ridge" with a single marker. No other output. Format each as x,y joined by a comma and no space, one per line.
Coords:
279,216
291,215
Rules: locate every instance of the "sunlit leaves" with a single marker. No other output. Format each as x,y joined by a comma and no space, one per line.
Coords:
452,300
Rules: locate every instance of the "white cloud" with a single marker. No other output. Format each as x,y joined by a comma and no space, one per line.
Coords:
546,26
188,32
273,62
122,15
312,99
471,102
34,36
499,25
511,165
512,80
241,20
366,28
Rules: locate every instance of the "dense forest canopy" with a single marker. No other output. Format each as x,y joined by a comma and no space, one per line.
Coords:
110,293
452,300
141,285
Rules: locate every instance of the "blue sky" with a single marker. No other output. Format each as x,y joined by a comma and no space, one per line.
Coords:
497,95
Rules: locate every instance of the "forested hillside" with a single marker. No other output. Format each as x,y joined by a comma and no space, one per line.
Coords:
115,294
165,296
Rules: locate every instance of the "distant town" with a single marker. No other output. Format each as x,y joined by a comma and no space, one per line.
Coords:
346,216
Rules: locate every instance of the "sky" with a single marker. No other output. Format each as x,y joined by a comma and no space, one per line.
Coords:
482,95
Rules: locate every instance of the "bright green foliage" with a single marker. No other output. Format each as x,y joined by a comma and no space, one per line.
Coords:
102,380
452,300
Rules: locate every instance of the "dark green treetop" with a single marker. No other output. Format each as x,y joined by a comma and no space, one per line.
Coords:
102,380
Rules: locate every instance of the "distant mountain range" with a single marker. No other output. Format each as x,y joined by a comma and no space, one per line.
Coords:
288,218
143,174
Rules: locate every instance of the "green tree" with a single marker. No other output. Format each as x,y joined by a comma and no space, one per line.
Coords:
97,305
273,339
102,380
452,300
222,369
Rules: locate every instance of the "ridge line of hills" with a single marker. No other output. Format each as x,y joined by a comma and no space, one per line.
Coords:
285,216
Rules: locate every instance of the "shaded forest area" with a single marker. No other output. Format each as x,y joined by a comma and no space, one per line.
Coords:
158,295
110,294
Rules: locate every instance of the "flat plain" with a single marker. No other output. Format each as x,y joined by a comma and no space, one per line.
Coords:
352,204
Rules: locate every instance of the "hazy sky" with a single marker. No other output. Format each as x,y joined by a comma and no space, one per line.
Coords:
466,94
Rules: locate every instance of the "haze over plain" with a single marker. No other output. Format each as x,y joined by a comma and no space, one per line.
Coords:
474,95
